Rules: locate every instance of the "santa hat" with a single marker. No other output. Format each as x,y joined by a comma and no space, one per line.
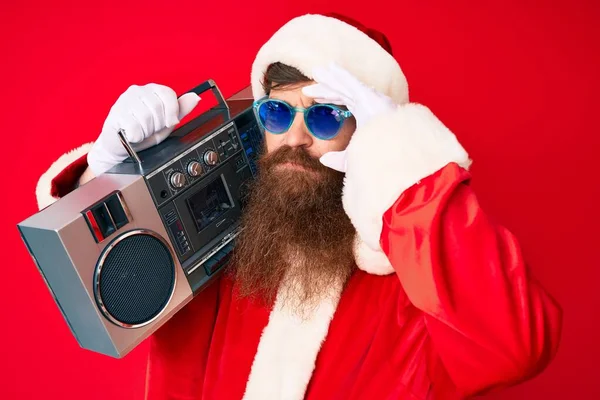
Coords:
316,40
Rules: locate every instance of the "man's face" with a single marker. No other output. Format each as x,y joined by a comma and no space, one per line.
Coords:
298,134
294,222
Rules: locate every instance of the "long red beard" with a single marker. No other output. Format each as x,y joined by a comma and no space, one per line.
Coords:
294,227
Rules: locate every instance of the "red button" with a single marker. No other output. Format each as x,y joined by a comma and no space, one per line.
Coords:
95,228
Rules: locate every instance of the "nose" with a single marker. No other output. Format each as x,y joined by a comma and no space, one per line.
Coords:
298,135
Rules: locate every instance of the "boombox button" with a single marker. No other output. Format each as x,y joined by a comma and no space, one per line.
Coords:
98,227
177,180
116,208
105,218
211,266
194,168
210,158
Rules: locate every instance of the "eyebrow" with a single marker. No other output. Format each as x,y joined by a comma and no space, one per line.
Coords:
312,102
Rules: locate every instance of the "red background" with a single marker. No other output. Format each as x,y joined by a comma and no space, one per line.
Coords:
517,81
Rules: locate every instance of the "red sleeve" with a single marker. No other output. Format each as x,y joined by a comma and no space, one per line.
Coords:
67,179
179,350
62,176
489,322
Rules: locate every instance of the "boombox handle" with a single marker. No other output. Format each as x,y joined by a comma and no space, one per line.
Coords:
201,88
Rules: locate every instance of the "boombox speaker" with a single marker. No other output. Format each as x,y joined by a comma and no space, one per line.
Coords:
124,252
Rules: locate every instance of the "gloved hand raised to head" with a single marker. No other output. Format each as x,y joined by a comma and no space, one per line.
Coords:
148,114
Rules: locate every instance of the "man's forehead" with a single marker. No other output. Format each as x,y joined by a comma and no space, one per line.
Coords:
293,96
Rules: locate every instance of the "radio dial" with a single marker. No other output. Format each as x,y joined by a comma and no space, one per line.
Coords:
194,168
211,158
177,180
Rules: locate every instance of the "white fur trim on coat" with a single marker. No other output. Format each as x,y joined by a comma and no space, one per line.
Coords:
385,157
312,40
44,184
372,261
288,349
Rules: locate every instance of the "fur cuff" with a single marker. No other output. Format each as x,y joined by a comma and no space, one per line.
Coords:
388,155
46,191
374,262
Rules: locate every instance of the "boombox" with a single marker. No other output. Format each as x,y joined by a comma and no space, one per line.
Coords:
124,252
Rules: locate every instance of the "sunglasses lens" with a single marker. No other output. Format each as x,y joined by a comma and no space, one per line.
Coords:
324,121
275,116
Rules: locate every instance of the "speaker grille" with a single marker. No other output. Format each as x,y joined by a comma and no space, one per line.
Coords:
135,278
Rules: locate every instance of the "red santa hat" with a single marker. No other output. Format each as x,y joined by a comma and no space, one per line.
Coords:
314,40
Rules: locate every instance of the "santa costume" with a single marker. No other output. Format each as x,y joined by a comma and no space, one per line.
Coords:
441,305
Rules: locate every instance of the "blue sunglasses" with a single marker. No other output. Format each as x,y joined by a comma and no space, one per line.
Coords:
323,121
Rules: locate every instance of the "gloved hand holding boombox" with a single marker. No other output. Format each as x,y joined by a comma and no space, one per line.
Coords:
148,114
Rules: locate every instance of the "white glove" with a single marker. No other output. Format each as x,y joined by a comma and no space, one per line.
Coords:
336,85
148,114
393,148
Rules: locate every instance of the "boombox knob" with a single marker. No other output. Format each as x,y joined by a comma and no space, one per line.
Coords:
194,168
177,180
211,158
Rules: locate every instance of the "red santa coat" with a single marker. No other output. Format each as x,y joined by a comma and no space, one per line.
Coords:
458,316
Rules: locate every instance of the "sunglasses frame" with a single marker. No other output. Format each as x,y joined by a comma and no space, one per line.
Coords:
344,114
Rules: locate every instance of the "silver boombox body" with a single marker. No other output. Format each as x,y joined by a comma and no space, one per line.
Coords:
124,252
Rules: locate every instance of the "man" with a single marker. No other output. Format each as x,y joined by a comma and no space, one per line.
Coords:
367,268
